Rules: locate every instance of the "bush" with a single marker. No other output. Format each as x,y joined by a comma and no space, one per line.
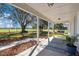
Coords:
71,40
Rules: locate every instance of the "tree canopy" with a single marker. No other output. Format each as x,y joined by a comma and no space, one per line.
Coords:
59,26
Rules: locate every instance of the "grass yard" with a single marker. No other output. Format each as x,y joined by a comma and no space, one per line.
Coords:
31,33
15,33
4,30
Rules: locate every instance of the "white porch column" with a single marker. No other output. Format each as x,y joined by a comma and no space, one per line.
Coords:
48,33
77,29
77,23
37,30
73,26
48,29
69,29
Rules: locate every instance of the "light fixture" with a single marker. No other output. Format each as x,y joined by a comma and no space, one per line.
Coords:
59,18
50,4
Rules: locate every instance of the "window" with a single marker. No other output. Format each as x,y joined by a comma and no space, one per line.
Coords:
51,31
43,28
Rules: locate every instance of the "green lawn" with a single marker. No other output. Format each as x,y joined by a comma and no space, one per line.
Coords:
4,33
15,30
9,30
31,33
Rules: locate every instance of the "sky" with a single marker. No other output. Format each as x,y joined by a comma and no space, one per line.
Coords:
4,21
8,23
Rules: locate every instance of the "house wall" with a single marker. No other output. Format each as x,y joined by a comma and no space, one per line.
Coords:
77,29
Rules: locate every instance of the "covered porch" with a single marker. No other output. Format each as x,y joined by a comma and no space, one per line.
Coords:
47,43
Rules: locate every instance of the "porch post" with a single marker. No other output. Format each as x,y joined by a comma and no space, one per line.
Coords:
77,29
37,30
75,25
72,28
69,29
48,32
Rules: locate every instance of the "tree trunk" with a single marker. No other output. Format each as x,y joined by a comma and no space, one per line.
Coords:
23,29
41,29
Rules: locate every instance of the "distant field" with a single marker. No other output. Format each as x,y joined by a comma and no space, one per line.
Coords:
31,33
15,30
19,30
10,30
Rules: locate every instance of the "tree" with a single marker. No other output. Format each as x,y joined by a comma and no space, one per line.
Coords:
1,10
22,17
42,25
60,26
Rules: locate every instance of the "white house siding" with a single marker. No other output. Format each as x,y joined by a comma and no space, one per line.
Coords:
77,29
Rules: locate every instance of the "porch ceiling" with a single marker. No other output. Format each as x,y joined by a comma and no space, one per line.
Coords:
65,11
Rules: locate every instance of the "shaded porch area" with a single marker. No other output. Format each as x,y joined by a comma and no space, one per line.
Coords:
57,47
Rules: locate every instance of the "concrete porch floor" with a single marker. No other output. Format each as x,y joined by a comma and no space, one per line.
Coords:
57,47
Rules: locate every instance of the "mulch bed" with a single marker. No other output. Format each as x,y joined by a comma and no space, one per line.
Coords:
3,41
17,49
9,40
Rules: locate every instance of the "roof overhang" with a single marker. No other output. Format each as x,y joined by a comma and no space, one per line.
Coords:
65,11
